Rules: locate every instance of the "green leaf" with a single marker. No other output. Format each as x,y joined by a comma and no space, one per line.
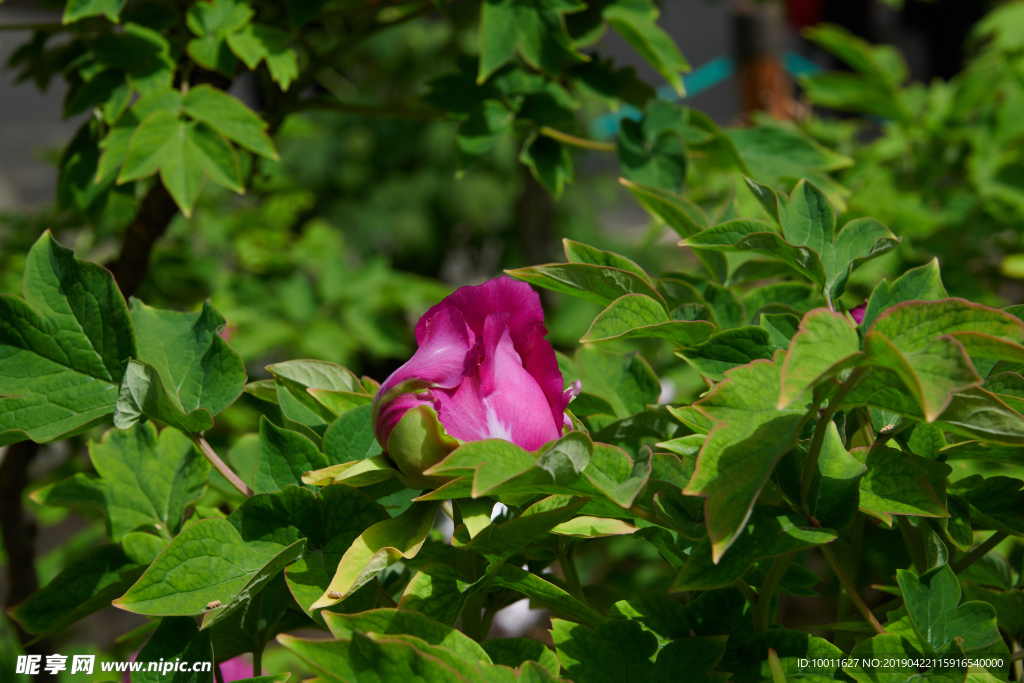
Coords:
759,237
637,315
142,479
683,216
769,532
577,252
176,639
514,652
284,456
365,659
917,284
184,153
802,656
83,587
866,661
933,602
144,53
636,22
208,561
858,240
599,284
144,394
80,9
741,451
190,355
347,514
536,27
835,488
256,43
296,378
548,160
995,502
729,349
350,437
61,347
498,542
401,622
377,548
213,22
254,624
658,161
481,131
229,117
826,344
438,591
626,381
897,483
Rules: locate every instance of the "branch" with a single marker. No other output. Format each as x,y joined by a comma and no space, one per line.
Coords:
764,596
48,26
978,553
850,590
220,465
155,214
577,141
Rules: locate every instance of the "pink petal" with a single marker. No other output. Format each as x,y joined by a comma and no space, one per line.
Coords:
499,399
440,361
858,313
526,329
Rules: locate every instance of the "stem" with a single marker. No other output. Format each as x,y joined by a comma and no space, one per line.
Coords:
775,665
764,596
257,662
978,553
648,517
155,214
473,627
850,590
220,465
748,592
554,134
568,565
811,465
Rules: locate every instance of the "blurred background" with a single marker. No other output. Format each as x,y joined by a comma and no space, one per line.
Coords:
364,222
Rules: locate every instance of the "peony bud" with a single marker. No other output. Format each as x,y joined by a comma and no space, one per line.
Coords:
483,370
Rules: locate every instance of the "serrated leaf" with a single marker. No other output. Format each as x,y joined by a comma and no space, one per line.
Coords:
284,456
229,117
83,587
256,43
535,27
769,532
626,381
599,284
61,347
896,483
142,479
400,622
548,161
636,22
184,153
743,234
825,345
636,315
190,356
933,603
176,639
740,452
727,350
208,561
917,284
144,395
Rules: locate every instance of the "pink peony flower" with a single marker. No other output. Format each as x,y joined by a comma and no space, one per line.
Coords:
483,370
858,312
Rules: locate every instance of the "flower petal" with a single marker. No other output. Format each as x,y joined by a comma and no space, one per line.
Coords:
526,328
500,400
440,361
